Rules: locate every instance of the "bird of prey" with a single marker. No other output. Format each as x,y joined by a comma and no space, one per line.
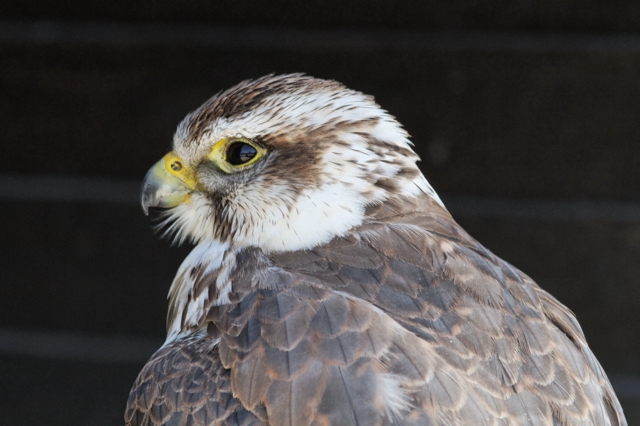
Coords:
329,285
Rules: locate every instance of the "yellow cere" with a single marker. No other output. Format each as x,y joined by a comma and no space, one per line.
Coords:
176,167
218,154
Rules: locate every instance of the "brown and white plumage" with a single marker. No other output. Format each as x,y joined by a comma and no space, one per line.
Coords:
330,286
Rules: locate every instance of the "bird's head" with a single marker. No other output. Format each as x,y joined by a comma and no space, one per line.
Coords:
281,163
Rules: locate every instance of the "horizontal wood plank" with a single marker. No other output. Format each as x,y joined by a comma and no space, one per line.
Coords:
563,15
503,123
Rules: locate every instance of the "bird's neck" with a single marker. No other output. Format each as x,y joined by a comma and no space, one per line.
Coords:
202,281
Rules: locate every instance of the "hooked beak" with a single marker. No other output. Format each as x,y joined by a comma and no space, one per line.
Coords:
167,184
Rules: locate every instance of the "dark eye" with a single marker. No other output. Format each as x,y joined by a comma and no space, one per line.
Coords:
239,153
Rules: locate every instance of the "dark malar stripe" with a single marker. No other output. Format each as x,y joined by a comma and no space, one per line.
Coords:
293,39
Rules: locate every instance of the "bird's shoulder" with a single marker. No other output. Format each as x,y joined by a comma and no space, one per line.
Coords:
405,320
510,346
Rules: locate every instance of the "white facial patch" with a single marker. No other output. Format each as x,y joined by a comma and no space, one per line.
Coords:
191,221
315,217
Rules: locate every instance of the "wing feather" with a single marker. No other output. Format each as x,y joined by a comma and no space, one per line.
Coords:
504,344
185,384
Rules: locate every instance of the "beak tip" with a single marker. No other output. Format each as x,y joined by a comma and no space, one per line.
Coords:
146,198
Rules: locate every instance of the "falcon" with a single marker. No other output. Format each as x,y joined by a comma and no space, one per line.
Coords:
329,285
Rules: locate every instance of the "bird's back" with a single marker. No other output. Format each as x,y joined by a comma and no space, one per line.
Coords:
407,320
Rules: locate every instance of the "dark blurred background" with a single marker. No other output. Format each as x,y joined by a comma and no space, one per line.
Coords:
525,115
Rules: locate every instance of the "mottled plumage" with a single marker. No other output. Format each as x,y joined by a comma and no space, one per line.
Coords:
330,286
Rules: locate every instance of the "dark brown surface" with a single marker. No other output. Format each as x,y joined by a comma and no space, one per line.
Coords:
527,125
561,15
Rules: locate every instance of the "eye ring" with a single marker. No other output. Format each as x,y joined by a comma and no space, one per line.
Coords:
234,154
176,166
